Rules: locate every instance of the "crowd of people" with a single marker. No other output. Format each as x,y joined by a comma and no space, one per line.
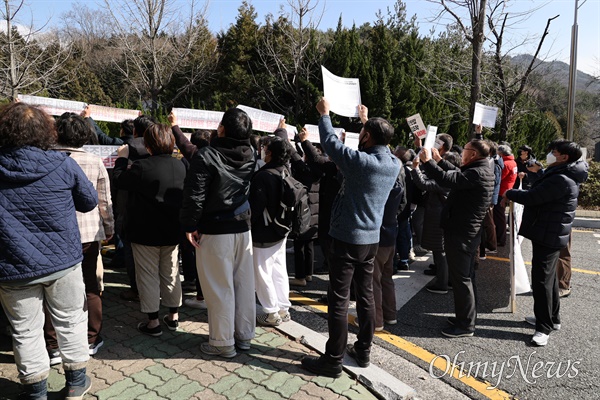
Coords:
371,211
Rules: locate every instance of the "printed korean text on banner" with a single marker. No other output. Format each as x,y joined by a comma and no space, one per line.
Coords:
54,106
111,114
416,126
263,121
343,94
313,133
107,153
430,138
485,115
197,119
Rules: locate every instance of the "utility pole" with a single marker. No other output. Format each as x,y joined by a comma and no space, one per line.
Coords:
572,78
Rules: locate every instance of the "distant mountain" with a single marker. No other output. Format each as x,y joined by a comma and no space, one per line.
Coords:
559,71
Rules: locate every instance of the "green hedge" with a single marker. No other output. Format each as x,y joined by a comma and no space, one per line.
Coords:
589,195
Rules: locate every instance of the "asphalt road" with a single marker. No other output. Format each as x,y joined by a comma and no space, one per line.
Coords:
498,361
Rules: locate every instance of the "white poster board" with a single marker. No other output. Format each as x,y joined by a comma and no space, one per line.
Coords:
485,115
197,119
107,153
416,125
430,138
54,106
352,140
111,114
522,284
343,94
313,133
263,121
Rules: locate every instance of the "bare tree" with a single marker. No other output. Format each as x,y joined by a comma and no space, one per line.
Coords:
511,87
288,54
30,60
159,42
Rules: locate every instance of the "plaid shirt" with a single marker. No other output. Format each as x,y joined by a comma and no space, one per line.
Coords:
99,223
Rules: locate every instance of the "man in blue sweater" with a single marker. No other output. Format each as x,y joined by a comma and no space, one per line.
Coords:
356,218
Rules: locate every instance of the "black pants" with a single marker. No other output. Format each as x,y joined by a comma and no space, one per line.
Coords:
460,254
350,263
544,282
500,222
304,258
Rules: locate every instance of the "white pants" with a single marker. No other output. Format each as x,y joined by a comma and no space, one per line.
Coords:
24,307
272,283
226,274
157,276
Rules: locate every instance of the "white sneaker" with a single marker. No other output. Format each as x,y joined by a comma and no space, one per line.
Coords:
539,339
285,315
411,255
193,302
269,319
531,321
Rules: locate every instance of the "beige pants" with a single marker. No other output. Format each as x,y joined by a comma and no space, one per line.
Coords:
157,275
226,274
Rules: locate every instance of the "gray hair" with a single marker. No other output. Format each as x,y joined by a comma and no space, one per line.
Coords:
505,150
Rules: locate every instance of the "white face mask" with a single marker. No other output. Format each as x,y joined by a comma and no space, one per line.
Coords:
550,158
263,154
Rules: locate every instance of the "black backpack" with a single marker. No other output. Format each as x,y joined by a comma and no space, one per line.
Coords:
292,215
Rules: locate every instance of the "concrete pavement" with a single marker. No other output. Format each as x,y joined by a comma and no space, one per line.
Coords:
132,365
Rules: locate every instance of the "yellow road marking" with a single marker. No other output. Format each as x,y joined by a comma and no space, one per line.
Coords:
583,271
485,388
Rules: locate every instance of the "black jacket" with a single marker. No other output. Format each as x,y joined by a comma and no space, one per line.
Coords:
329,184
435,197
154,187
550,204
471,189
217,186
265,196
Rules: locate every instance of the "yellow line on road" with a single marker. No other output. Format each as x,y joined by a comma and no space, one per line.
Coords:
440,363
583,271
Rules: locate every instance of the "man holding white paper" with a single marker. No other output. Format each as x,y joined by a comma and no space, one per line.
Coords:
355,223
343,94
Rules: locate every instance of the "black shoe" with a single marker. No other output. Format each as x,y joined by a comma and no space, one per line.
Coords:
171,324
403,267
363,360
430,272
143,327
318,366
456,332
436,290
451,320
432,266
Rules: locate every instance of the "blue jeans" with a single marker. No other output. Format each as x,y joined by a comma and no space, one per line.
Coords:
24,307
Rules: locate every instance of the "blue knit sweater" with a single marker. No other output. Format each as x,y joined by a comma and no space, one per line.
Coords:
369,176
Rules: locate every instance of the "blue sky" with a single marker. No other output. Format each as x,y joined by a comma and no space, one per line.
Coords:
222,13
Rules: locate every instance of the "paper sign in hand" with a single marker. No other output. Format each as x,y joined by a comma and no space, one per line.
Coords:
430,138
485,115
343,94
417,127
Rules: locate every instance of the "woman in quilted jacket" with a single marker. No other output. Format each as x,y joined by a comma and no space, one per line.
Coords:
40,248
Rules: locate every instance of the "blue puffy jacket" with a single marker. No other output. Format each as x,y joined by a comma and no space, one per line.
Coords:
39,194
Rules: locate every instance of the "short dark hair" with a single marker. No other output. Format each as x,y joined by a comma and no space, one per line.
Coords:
493,147
408,156
446,140
22,124
201,138
127,127
456,148
237,124
141,123
482,148
571,149
280,150
453,158
159,139
73,130
381,131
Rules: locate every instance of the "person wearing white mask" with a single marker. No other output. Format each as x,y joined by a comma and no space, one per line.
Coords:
549,211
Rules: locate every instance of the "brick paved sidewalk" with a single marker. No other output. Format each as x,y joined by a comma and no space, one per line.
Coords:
131,365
